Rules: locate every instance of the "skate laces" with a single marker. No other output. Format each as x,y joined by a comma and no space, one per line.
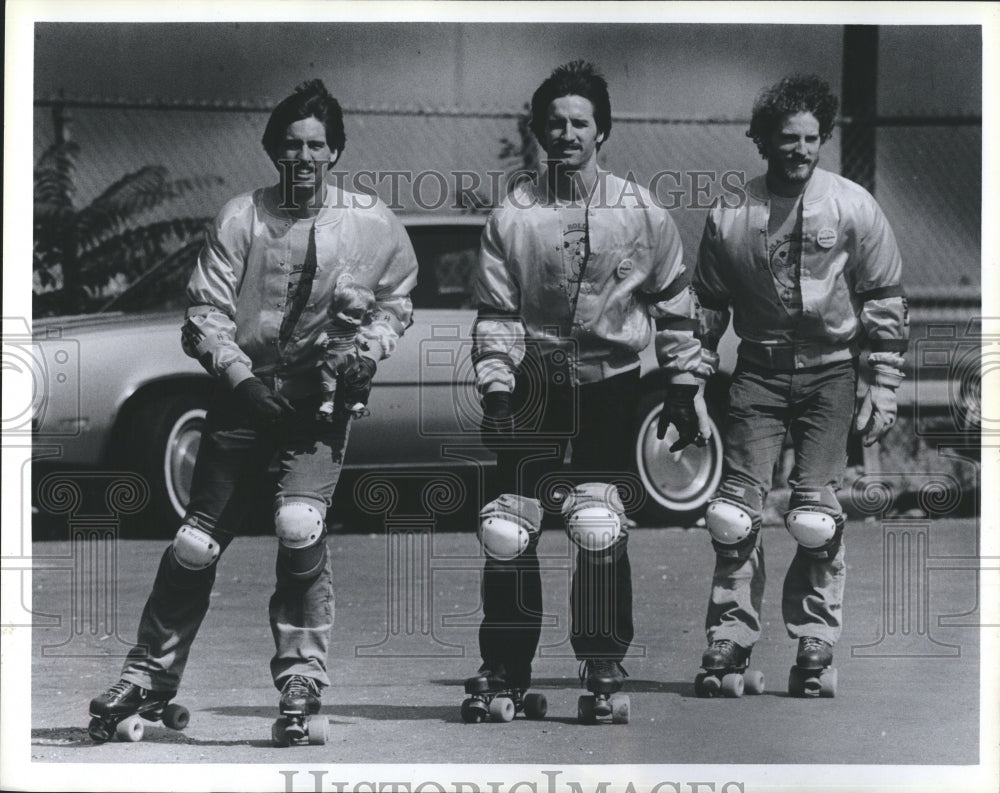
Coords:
812,643
726,645
300,686
118,689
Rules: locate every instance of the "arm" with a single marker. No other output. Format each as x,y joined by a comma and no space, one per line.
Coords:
209,330
711,293
498,334
393,314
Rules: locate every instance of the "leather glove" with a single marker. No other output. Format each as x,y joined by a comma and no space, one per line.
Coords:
498,420
877,411
680,410
264,405
356,382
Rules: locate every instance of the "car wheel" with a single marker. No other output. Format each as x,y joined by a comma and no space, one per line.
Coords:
677,484
163,437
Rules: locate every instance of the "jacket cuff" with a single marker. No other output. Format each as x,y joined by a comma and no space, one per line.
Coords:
236,374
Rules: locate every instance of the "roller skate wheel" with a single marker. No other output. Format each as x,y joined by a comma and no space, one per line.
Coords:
585,709
278,734
98,731
502,709
707,685
796,682
732,685
130,729
753,682
828,682
620,708
318,731
474,711
176,717
535,706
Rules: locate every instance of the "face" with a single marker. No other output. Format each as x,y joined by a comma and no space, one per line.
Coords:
303,154
571,134
793,150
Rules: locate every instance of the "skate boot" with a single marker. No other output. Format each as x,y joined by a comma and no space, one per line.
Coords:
119,712
725,671
299,703
604,679
497,696
813,675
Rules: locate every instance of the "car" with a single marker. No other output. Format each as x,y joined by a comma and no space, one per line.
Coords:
120,396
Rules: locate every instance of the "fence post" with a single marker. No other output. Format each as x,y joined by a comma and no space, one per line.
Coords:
858,105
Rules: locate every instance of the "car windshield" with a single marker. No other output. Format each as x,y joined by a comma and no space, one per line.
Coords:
446,253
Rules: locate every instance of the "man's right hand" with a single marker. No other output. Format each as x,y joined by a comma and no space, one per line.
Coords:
263,405
498,420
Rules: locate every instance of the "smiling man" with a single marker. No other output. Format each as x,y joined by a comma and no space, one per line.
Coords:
258,304
574,272
810,269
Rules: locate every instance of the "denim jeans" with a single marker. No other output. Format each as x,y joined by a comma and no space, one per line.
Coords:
552,414
816,406
231,468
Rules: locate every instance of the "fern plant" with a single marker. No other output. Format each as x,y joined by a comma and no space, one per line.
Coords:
79,251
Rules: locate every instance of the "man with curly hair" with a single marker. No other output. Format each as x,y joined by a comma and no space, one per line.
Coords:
577,274
810,270
259,299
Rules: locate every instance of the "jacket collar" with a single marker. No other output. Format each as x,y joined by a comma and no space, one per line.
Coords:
816,189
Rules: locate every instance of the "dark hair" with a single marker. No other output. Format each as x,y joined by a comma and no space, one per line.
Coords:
578,78
309,100
799,93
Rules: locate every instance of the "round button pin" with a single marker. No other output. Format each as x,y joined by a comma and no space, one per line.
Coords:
826,237
624,267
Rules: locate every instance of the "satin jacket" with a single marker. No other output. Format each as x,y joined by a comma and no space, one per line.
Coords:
850,278
633,277
239,298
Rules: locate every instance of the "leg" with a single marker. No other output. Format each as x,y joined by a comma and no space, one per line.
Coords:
755,430
813,592
228,458
301,610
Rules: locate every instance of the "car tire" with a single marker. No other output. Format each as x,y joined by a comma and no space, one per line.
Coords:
161,444
678,485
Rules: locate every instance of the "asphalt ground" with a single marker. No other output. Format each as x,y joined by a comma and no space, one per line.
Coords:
405,638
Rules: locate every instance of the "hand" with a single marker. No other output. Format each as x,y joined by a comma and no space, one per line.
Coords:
876,414
356,382
682,409
498,420
264,406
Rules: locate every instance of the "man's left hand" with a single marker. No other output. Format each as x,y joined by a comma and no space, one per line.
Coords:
876,414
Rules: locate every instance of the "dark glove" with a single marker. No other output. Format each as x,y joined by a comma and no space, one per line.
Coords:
262,404
679,410
498,420
356,382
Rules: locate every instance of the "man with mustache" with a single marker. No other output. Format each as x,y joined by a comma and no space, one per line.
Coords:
259,295
810,270
578,272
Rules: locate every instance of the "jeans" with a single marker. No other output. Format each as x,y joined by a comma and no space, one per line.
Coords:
551,414
816,406
230,470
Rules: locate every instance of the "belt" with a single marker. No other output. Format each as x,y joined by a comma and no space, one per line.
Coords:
789,357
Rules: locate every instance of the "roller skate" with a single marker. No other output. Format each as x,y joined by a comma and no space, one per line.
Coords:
725,671
812,675
296,725
604,679
494,696
119,712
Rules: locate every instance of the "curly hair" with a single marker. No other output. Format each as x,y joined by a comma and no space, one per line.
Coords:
799,93
579,78
309,100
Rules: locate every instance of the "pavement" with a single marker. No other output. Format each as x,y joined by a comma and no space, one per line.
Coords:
407,612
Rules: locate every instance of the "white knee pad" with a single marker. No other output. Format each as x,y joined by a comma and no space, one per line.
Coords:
729,523
810,528
298,524
194,548
508,525
815,521
594,516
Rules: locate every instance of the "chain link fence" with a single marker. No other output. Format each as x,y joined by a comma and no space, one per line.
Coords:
926,172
